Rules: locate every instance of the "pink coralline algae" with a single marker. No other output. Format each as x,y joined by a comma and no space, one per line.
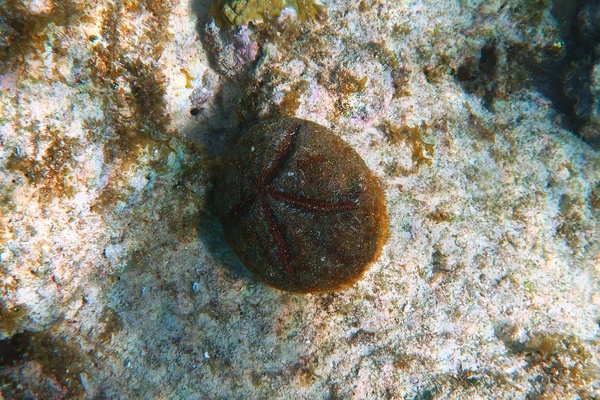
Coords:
233,50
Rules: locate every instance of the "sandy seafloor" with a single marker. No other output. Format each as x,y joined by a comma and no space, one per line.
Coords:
115,279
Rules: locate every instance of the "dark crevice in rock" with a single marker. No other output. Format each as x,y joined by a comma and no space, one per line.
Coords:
561,71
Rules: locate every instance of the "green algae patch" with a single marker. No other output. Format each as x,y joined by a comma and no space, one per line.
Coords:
230,13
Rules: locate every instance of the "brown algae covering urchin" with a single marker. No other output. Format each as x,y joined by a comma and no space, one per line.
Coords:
300,207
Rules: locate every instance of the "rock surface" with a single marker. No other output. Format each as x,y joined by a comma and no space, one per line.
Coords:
115,279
